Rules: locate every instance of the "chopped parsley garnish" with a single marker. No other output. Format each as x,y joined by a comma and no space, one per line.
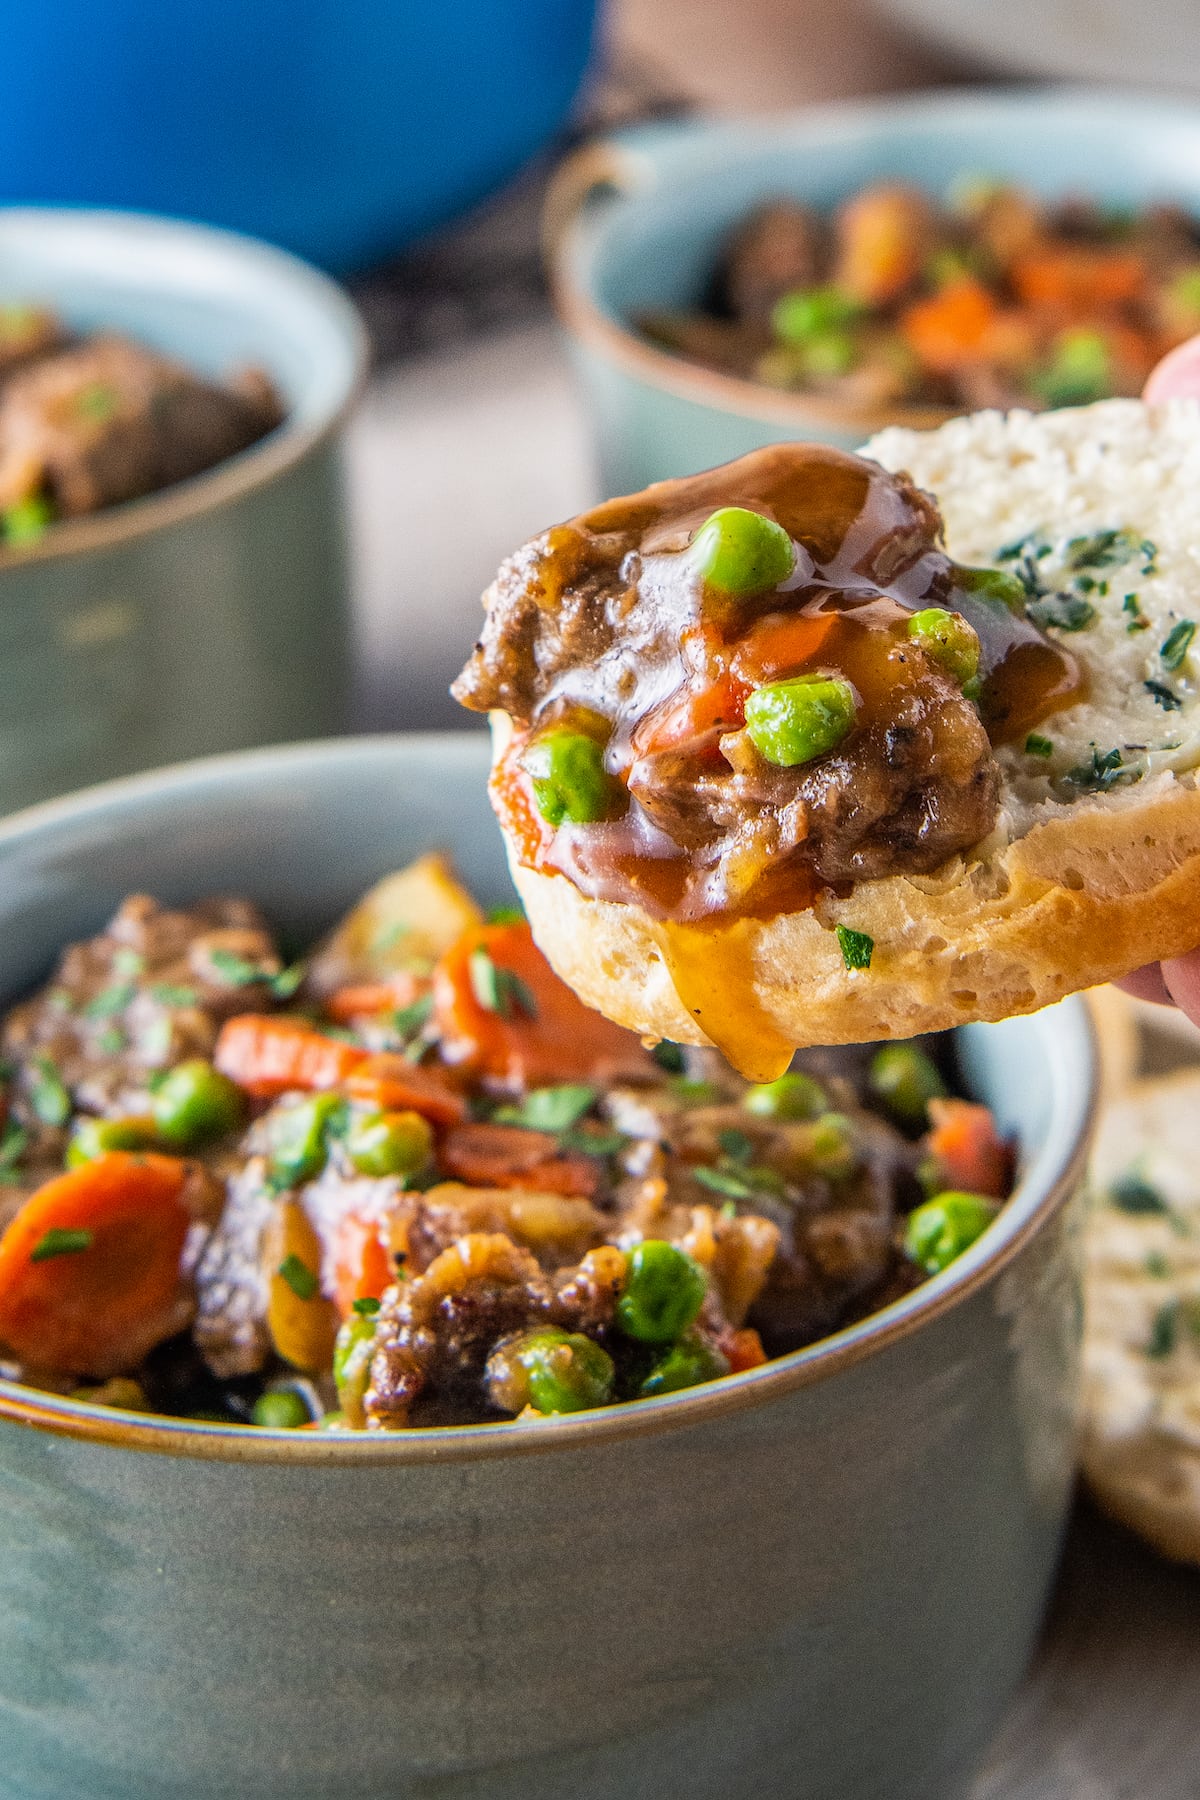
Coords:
593,1143
1100,773
736,1145
47,1094
1178,644
62,1240
366,1308
1131,606
1066,612
1169,701
498,989
238,971
110,1000
128,962
1037,745
550,1108
12,1146
112,1041
1157,1266
693,1092
1164,1331
168,994
728,1211
856,947
97,401
410,1019
669,1056
506,915
1132,1193
723,1181
298,1276
284,985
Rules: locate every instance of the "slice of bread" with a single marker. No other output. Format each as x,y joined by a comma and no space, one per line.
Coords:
1141,1358
1094,866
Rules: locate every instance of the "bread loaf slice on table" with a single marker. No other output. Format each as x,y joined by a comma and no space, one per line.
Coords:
1092,864
1141,1359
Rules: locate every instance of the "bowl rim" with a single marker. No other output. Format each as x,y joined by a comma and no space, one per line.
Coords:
234,476
1023,1216
610,162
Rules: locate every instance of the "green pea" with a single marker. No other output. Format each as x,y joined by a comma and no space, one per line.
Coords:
940,1229
281,1409
904,1080
686,1364
565,1371
389,1143
992,584
26,521
195,1102
353,1349
806,313
738,551
298,1137
792,1096
832,1148
948,640
1079,371
792,722
96,1137
664,1290
830,354
569,779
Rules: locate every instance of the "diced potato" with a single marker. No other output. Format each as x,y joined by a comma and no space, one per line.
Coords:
408,919
302,1321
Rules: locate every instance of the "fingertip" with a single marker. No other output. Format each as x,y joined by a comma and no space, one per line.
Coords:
1146,984
1181,977
1177,376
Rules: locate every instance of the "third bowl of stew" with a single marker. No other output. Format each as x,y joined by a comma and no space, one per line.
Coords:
897,261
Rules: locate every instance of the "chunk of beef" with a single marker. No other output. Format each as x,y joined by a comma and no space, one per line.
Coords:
110,420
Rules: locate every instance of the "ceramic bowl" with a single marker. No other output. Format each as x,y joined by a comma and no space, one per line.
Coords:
212,615
636,221
820,1579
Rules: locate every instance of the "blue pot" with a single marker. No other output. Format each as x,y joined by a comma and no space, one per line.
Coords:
820,1579
636,222
337,128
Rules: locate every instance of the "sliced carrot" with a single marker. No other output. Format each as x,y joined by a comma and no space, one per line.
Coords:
950,327
744,1350
346,1004
967,1147
391,1083
1078,280
269,1056
690,714
90,1276
782,644
509,1156
511,794
539,1033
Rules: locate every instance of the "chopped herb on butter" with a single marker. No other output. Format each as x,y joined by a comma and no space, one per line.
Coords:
1169,701
1037,745
1178,644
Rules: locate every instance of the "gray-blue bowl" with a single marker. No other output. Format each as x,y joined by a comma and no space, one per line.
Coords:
213,615
636,221
819,1580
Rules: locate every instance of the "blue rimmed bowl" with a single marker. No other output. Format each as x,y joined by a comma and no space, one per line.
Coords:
636,221
213,615
820,1579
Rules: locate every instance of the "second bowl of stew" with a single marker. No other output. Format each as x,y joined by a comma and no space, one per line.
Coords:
530,1410
896,261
